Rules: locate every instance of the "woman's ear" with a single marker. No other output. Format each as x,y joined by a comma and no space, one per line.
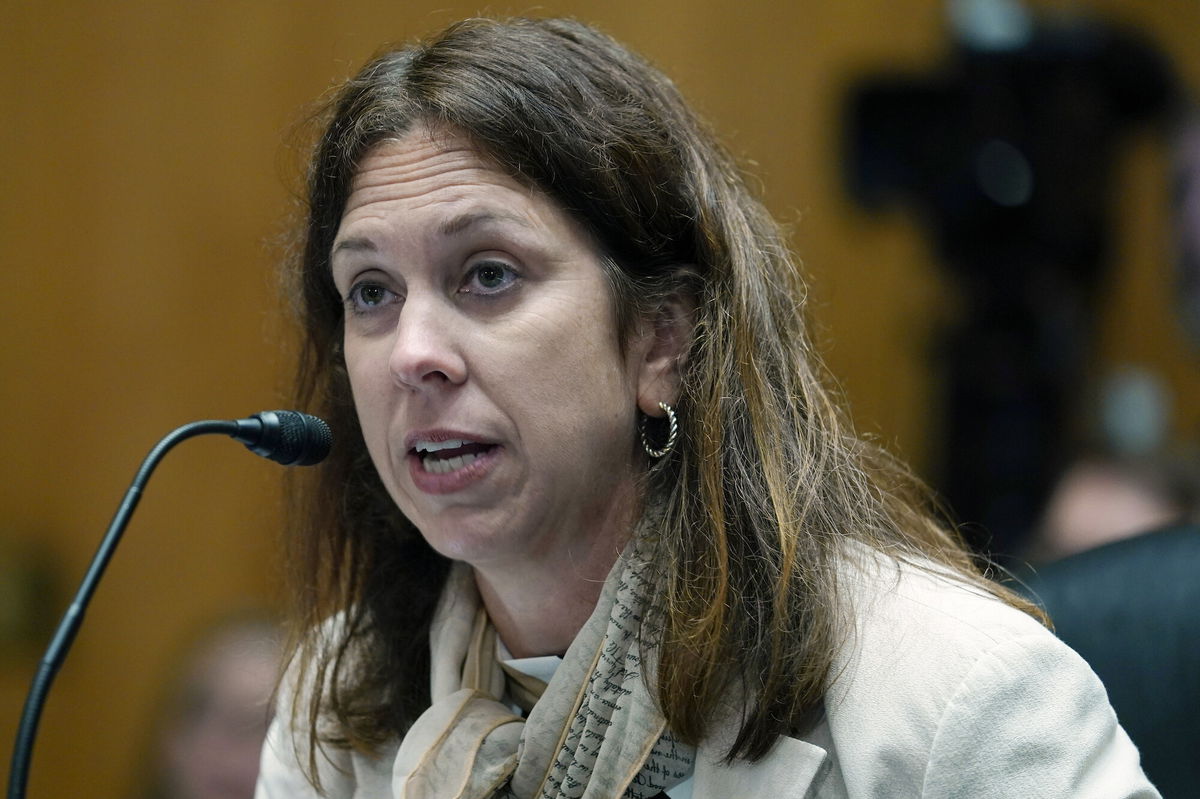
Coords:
666,338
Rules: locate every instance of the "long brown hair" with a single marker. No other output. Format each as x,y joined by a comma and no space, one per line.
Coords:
767,481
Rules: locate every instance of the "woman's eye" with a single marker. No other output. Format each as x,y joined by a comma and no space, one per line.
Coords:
489,277
366,296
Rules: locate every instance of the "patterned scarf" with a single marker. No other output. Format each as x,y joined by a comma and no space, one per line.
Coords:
593,732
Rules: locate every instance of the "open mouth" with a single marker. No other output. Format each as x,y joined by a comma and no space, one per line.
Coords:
443,457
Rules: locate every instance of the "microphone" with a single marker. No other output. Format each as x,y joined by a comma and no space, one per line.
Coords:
288,437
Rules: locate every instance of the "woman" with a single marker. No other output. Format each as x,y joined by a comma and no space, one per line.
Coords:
573,345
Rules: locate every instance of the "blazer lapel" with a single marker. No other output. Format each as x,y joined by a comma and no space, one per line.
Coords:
794,769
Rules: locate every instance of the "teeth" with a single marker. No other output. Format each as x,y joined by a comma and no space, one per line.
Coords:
447,465
435,446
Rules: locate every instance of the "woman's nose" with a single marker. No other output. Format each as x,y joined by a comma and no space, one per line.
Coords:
425,353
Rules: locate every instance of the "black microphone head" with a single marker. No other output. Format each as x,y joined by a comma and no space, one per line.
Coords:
290,437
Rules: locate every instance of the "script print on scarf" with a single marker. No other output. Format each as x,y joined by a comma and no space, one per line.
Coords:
611,725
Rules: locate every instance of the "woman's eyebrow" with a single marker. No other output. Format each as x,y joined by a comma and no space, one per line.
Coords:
354,244
464,221
455,225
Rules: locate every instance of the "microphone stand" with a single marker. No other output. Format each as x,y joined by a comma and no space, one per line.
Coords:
64,636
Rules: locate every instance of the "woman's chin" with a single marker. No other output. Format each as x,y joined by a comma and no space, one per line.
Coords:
473,536
479,550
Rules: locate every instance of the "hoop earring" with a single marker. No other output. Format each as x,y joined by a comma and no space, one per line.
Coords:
672,433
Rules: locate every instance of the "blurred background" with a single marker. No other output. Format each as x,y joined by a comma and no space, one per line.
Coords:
984,196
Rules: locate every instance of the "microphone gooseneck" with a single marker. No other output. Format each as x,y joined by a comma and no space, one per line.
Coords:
288,437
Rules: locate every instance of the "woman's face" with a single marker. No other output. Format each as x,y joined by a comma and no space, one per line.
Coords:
484,358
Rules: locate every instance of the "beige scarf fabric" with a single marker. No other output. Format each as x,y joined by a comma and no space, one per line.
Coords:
593,733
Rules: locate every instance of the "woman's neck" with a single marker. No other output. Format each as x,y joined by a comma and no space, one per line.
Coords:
539,604
543,614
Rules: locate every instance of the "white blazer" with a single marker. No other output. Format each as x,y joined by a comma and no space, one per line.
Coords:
939,691
943,692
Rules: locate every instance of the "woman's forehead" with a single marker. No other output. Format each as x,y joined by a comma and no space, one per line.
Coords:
417,169
445,171
420,153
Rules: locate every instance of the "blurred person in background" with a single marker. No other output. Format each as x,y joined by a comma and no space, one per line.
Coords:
1119,543
1106,498
215,713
